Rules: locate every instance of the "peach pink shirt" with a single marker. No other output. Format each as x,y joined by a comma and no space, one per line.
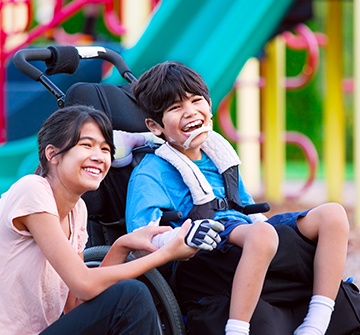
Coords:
32,295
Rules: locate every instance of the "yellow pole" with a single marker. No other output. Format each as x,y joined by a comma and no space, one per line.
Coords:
248,124
135,15
274,119
357,109
334,139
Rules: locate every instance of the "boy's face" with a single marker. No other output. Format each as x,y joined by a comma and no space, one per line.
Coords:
180,120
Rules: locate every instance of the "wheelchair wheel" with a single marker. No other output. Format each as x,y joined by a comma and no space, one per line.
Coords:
171,319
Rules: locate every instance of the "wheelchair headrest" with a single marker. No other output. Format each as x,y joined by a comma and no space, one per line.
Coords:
116,101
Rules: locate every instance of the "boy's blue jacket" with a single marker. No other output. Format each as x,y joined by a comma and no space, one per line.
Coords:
156,185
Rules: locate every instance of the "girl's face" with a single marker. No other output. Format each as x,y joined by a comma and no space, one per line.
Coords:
85,165
181,119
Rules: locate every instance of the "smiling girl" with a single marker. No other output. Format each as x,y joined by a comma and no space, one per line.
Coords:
45,286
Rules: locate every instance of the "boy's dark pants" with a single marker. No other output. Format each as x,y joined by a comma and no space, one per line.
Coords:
203,287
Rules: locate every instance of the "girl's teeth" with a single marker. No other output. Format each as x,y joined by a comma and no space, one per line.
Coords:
95,171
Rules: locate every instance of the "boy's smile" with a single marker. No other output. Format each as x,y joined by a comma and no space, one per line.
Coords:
191,126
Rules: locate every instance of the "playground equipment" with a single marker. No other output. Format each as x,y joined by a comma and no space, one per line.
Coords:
357,107
215,38
174,31
201,35
273,83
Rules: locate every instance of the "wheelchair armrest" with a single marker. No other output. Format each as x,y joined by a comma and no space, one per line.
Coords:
169,216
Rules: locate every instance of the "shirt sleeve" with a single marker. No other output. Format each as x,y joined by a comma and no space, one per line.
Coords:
31,194
145,197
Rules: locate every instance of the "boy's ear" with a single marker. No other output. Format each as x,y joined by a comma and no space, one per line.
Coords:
153,126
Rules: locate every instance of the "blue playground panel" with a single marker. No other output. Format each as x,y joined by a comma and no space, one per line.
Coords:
29,103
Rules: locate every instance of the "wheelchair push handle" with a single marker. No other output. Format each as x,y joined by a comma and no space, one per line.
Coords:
22,62
65,59
23,57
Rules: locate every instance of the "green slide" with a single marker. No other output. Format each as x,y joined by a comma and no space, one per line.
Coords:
214,37
17,158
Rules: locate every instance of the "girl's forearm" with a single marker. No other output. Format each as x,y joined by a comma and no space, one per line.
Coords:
101,278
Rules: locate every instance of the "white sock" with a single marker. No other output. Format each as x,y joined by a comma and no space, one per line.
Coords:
237,327
318,316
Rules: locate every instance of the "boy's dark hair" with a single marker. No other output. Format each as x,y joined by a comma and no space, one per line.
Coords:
162,85
62,130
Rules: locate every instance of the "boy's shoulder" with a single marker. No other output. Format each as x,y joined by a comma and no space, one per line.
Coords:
152,163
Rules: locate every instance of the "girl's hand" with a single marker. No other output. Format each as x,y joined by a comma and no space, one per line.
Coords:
137,240
141,239
177,247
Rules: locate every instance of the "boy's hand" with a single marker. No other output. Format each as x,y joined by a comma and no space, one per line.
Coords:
203,234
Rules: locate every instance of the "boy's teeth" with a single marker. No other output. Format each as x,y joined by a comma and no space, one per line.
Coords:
191,125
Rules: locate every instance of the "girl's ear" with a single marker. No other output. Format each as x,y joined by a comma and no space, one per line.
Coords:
50,152
153,126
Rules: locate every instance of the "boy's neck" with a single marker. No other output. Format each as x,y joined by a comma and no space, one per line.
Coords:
193,154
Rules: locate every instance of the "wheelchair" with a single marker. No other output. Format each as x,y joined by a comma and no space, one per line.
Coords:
106,206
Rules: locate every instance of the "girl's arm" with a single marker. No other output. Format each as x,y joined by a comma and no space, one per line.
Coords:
137,240
71,302
86,283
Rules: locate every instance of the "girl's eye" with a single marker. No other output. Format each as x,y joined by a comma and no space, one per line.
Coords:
106,149
86,145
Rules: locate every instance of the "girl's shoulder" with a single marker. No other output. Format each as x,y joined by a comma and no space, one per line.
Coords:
30,183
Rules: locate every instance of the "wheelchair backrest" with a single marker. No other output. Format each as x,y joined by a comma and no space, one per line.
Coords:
116,101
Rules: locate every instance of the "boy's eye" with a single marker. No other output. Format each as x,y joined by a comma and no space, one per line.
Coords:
173,107
197,99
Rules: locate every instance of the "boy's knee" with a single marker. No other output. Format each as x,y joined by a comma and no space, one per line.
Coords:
334,217
336,213
264,238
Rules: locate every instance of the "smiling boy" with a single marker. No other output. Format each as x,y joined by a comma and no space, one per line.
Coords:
196,172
